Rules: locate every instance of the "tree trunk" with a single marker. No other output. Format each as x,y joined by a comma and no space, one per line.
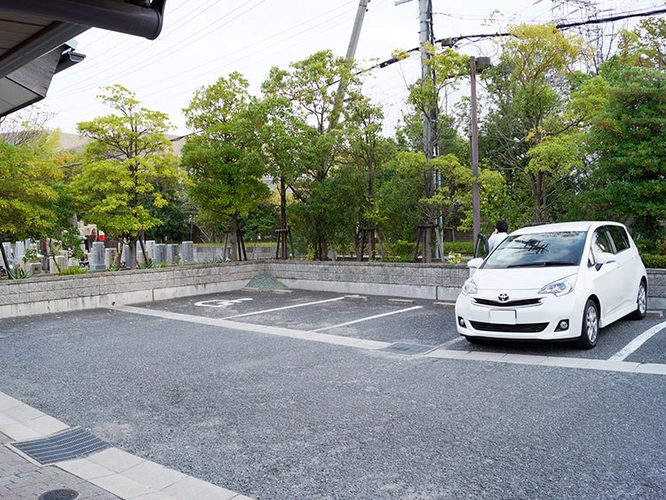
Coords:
284,230
132,252
234,238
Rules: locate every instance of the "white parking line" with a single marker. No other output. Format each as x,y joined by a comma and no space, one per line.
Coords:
440,352
367,319
632,346
284,308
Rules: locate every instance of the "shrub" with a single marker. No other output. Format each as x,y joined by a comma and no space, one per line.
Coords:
17,273
653,261
462,247
402,251
73,270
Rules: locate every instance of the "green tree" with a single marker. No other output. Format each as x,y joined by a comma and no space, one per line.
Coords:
27,194
539,107
627,142
368,150
445,70
128,157
283,137
224,157
309,86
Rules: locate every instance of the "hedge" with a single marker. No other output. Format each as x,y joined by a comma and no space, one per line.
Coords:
653,261
463,247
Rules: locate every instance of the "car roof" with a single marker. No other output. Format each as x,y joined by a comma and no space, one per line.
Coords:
565,226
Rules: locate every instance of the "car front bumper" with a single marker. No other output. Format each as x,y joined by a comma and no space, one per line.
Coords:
539,321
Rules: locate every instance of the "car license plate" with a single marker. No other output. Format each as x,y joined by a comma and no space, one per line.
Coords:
503,316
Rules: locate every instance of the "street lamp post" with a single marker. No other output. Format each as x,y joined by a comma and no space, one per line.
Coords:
477,65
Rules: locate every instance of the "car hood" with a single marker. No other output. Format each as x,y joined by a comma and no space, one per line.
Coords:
520,279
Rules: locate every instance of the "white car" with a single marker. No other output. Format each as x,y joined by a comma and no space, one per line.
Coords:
554,282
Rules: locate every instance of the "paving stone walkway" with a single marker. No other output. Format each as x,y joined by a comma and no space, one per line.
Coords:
23,480
110,474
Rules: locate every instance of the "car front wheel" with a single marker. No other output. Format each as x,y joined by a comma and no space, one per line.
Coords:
641,302
590,330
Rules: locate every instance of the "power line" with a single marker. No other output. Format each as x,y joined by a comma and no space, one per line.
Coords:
451,41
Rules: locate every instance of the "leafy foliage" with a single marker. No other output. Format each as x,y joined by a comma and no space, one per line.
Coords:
224,159
27,192
128,157
628,139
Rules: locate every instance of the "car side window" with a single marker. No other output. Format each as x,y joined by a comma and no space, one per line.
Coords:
620,238
600,243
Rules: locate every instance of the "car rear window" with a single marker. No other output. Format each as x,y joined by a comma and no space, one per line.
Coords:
620,238
561,248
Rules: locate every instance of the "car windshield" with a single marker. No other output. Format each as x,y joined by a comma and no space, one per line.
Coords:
562,248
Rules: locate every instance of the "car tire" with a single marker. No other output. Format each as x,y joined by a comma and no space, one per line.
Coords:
590,330
641,302
472,340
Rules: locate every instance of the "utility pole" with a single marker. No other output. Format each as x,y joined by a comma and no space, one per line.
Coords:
351,53
429,120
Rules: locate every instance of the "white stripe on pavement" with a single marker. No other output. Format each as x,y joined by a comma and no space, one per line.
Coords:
284,308
441,352
632,346
367,319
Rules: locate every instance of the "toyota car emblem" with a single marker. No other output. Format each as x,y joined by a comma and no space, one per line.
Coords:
503,297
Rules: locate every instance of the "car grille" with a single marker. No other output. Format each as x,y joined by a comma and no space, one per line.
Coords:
511,303
499,327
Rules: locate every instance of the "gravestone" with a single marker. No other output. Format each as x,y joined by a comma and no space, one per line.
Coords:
61,262
150,249
10,255
160,254
172,253
188,251
97,257
19,251
126,255
139,254
110,255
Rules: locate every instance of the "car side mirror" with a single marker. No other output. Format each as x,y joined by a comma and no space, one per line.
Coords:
604,258
473,265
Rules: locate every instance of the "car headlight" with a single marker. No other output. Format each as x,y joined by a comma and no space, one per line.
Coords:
469,287
560,287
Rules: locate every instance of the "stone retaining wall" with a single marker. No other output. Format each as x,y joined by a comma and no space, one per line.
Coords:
52,294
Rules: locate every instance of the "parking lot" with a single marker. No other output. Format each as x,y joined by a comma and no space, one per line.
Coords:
322,395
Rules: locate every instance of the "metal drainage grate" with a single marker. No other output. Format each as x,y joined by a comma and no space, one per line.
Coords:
62,494
407,349
72,443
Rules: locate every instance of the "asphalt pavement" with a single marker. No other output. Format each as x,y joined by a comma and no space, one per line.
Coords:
302,395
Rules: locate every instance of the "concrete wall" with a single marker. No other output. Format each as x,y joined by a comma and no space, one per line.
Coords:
424,281
44,294
51,294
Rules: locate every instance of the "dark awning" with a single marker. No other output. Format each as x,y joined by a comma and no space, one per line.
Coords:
34,36
30,29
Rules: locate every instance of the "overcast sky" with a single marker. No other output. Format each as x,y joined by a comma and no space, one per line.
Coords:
205,39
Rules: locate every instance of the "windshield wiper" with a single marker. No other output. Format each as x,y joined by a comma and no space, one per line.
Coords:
528,264
543,264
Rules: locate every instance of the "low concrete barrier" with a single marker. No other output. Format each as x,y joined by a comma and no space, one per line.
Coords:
53,294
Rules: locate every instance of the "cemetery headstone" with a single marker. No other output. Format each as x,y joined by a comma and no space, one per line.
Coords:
19,251
110,255
10,254
160,254
188,251
98,257
150,249
172,253
126,255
